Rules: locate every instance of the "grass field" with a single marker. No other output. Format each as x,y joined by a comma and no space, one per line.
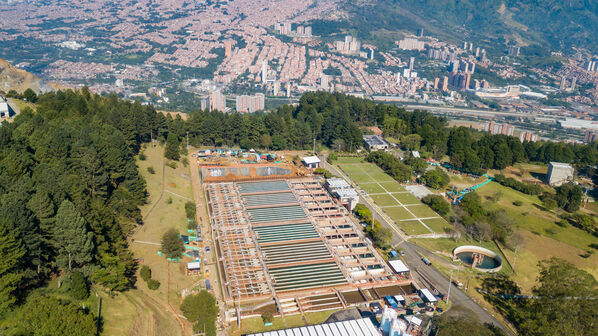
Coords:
256,324
143,311
542,237
394,200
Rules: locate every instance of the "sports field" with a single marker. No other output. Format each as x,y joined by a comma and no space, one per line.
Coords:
404,209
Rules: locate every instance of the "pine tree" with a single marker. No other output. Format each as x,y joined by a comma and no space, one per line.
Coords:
11,252
172,147
72,237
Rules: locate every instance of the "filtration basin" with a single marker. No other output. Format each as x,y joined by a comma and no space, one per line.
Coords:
480,258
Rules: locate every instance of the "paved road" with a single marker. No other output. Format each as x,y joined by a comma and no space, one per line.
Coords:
424,275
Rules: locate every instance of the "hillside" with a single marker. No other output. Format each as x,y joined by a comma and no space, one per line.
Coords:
554,23
19,80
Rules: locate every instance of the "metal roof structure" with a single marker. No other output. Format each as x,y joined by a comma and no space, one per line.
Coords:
310,159
398,266
374,140
427,295
361,327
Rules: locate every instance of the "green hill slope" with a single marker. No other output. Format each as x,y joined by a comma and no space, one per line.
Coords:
555,23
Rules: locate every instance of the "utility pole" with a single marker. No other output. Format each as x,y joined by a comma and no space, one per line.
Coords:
448,296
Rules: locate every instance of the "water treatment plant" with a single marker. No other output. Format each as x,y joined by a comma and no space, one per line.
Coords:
284,244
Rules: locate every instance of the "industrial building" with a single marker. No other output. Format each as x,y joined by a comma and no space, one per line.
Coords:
375,143
6,110
342,190
559,173
360,327
311,162
287,241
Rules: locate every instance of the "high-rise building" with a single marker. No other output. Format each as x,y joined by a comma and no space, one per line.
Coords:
477,52
454,66
513,51
289,87
276,88
250,104
264,71
217,101
371,56
465,46
411,44
508,129
228,48
287,28
590,136
445,83
494,128
348,39
436,82
563,83
573,82
324,82
308,31
528,136
411,63
420,32
300,30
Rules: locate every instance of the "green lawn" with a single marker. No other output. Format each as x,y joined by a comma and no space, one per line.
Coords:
364,174
422,211
406,198
349,159
372,188
382,177
398,213
384,200
437,224
392,186
413,227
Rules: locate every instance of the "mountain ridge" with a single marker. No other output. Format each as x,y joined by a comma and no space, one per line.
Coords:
12,78
560,25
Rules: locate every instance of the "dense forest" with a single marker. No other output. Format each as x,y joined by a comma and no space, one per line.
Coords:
69,194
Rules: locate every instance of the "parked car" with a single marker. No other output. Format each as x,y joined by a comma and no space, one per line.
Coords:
426,261
207,249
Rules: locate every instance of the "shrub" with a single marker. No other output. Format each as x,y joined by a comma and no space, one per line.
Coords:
172,244
267,317
142,157
190,209
145,273
77,286
438,203
526,188
436,179
517,203
169,200
323,172
151,170
172,164
153,284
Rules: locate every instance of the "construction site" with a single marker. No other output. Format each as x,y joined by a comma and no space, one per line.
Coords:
284,245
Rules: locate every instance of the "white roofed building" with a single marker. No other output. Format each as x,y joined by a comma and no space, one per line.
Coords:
311,162
361,327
